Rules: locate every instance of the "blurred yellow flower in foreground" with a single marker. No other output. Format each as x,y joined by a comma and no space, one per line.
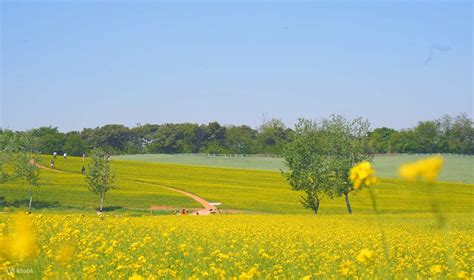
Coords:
362,173
426,169
20,244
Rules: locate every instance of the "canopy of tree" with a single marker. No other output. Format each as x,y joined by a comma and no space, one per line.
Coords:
444,135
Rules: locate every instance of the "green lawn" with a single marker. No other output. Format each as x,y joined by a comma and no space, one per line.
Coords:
456,168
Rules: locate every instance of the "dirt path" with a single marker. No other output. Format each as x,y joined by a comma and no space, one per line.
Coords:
208,208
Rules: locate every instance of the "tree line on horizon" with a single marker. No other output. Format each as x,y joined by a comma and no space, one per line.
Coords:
444,135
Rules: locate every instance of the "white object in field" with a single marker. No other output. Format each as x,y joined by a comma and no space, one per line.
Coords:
215,203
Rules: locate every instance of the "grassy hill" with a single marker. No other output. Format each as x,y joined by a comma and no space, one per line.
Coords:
140,185
456,168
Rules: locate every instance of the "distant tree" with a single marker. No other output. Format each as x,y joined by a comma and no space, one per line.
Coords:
47,140
461,135
272,136
165,140
100,177
379,140
240,139
428,137
112,138
5,156
404,141
215,132
74,144
213,147
142,135
24,162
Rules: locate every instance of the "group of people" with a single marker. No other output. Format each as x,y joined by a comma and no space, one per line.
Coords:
55,154
186,212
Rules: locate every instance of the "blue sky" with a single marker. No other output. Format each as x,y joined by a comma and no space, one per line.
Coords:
76,64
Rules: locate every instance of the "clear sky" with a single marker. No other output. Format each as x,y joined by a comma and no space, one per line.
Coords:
76,64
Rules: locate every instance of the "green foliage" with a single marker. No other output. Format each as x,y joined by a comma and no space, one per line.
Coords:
444,135
74,144
47,140
100,177
308,164
272,137
379,140
320,156
23,161
240,139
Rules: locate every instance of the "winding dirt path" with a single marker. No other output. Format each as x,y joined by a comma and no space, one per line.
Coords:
208,208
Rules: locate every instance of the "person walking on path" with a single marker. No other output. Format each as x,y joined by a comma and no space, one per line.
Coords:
83,170
65,156
52,164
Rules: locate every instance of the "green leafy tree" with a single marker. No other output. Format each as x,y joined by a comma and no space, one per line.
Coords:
24,162
240,139
379,140
100,177
5,155
47,140
346,144
320,155
272,136
74,144
308,165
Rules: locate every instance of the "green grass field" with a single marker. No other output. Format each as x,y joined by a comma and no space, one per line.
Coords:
140,185
456,168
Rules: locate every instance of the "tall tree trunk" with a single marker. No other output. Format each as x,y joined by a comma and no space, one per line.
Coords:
31,199
348,204
316,206
101,201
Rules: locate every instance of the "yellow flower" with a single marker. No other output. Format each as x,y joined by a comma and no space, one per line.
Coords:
426,169
365,255
436,269
307,277
65,254
362,174
462,275
136,277
347,268
249,274
22,243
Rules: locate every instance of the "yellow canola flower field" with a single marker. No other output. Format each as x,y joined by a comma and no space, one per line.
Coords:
236,247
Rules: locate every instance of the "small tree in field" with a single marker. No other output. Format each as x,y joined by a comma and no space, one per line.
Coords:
100,177
24,162
308,166
320,155
347,145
